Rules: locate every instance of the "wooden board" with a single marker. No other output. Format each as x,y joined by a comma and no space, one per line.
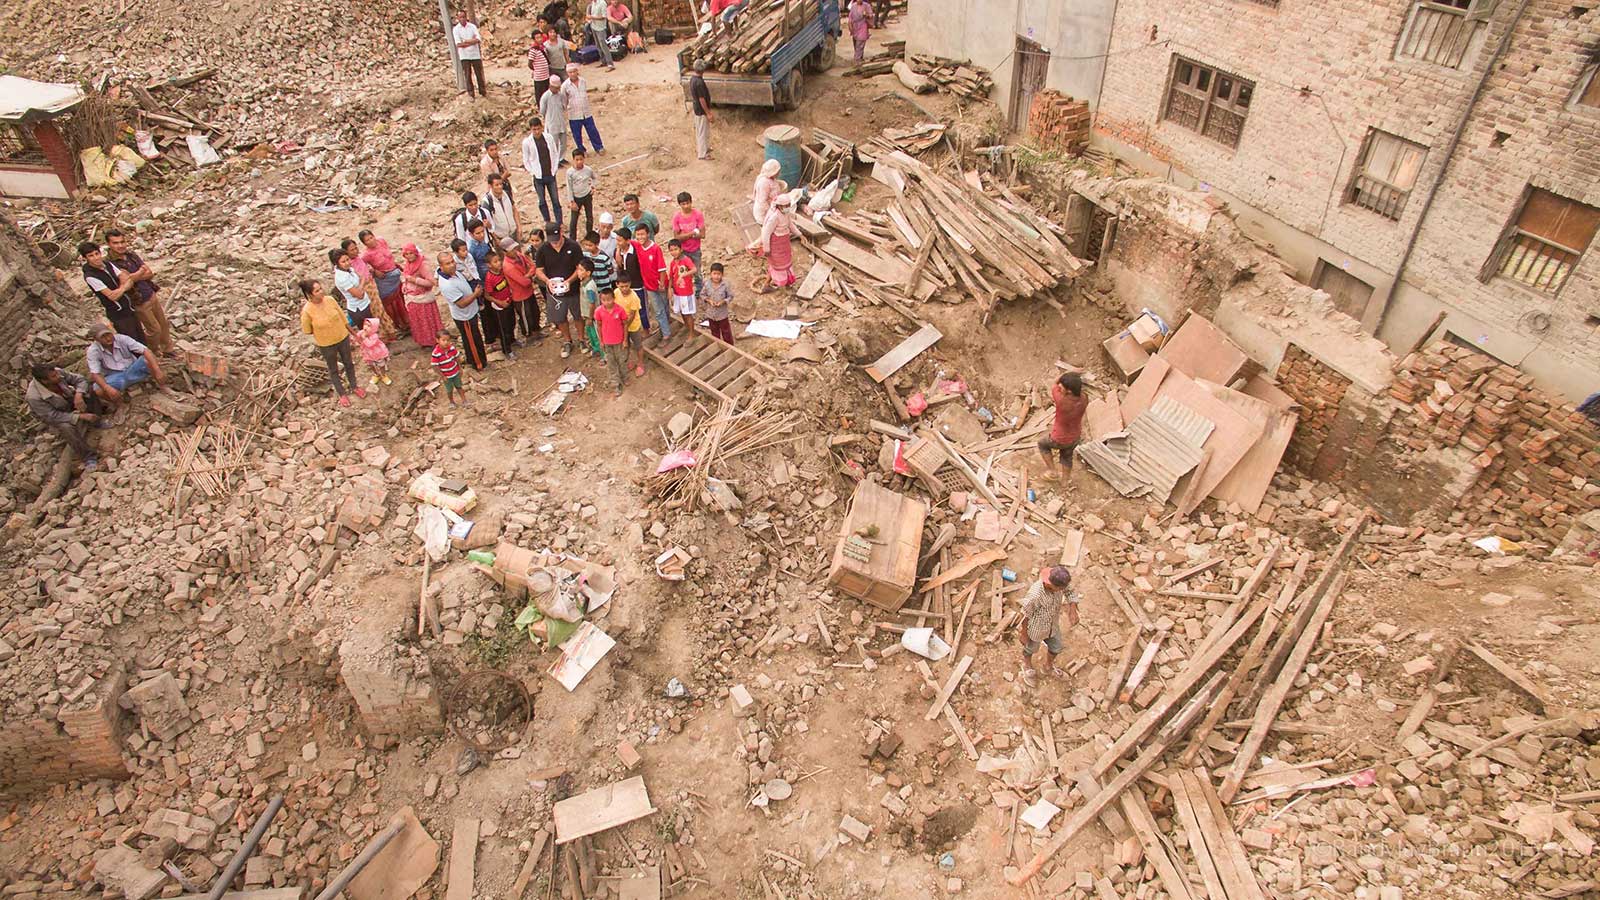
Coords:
962,567
950,685
463,859
601,809
888,575
1233,436
1103,417
1199,349
888,271
814,280
1261,387
642,883
1509,673
525,874
1126,355
1072,548
1142,392
716,367
1247,482
904,352
1220,840
1143,823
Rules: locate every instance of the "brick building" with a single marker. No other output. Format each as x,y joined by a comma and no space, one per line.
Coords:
1456,143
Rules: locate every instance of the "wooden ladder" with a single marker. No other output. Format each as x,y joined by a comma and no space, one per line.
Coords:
713,366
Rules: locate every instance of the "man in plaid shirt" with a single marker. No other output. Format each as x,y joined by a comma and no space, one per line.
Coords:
1040,622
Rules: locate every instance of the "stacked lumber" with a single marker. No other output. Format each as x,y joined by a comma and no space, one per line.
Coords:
1058,122
747,48
1286,630
880,63
939,234
952,76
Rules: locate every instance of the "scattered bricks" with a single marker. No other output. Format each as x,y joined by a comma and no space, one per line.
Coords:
892,802
1058,122
628,755
255,745
193,832
120,867
855,828
363,508
744,705
1321,855
1418,666
160,706
1255,837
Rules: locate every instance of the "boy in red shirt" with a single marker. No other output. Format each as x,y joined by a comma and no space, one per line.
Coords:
612,321
524,293
689,227
652,274
1070,402
681,276
497,290
447,359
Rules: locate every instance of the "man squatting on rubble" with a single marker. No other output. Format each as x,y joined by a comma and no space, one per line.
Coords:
1041,620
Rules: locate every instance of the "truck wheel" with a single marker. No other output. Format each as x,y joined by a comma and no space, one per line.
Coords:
792,90
821,59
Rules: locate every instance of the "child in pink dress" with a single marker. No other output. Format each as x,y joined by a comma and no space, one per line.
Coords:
374,351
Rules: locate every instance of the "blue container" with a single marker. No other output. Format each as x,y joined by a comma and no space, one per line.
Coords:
782,143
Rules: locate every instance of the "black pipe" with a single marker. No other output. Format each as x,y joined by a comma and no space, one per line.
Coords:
246,850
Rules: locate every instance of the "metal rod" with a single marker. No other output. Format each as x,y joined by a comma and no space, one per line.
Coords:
246,849
348,873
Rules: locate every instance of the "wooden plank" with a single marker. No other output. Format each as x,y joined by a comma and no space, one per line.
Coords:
1273,700
1200,842
603,808
904,352
1072,548
950,717
1227,851
1200,349
1469,741
1429,696
525,874
963,566
1509,673
1134,771
885,271
1129,647
1185,574
1139,668
814,280
1142,392
1234,435
949,688
1143,824
1090,786
463,859
1246,484
1134,613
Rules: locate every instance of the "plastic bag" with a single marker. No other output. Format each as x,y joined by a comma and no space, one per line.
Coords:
433,529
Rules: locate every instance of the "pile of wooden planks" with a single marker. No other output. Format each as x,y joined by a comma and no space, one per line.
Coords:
958,77
748,46
880,63
941,234
1286,629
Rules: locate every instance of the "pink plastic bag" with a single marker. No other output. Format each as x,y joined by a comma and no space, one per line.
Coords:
916,404
677,459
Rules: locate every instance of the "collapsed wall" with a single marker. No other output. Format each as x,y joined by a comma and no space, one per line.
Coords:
80,740
1447,433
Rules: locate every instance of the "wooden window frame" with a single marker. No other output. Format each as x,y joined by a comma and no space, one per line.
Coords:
1207,98
1587,96
1446,55
1494,266
1354,192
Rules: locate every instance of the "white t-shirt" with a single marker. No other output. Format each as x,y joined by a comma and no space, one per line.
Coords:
347,281
467,32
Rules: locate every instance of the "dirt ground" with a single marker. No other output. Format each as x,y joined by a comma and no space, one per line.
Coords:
821,711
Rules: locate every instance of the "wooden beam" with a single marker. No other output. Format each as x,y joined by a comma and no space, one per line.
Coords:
949,688
962,567
1509,673
520,886
463,859
904,352
1143,824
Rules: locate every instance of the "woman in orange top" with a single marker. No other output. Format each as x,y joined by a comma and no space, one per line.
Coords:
1067,430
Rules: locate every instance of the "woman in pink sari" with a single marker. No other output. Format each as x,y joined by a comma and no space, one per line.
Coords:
775,245
386,275
417,284
358,265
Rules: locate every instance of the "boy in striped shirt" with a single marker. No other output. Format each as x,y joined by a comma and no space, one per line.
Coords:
447,359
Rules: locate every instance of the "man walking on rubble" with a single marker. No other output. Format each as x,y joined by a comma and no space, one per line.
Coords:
1040,622
1065,432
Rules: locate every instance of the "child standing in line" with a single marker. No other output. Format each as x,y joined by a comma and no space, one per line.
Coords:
689,226
588,301
629,300
374,351
447,359
680,280
718,296
612,322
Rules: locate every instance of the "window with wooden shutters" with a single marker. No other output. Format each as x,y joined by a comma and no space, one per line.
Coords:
1545,240
1441,31
1385,173
1207,100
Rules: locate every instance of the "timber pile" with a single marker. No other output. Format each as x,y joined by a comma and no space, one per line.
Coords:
1286,629
880,63
724,435
940,234
748,47
958,77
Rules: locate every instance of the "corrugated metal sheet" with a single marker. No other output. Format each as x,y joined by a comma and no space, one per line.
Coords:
1194,427
1109,459
1159,447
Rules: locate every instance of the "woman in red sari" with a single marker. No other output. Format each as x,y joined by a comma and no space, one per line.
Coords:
386,275
417,285
775,244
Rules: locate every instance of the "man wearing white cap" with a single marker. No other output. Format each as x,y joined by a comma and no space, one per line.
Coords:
579,114
608,240
553,110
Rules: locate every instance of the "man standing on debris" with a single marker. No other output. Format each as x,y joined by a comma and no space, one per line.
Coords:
469,48
113,288
634,215
540,156
700,101
463,300
68,404
580,115
1040,622
553,109
502,212
558,262
1068,397
146,293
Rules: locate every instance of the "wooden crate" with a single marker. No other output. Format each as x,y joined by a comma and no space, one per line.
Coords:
887,577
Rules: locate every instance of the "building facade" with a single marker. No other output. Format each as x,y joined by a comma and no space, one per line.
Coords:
1410,157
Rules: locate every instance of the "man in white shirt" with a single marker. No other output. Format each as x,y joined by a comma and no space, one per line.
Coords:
503,222
580,116
469,49
117,362
600,29
541,157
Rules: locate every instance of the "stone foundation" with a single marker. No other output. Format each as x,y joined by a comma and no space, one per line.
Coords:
394,699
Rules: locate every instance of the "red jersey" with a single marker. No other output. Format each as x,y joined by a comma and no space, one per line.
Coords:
497,287
651,262
1070,407
613,323
448,362
680,272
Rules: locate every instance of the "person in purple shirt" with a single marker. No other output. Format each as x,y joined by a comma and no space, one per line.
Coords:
147,305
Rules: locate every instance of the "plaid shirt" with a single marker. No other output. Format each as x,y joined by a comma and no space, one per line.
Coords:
1041,609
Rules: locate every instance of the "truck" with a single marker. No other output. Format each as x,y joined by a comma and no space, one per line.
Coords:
810,47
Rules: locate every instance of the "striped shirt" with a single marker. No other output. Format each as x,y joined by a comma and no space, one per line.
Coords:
539,63
604,269
448,362
1041,609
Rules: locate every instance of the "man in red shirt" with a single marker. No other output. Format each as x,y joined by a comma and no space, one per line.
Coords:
497,290
653,275
1067,394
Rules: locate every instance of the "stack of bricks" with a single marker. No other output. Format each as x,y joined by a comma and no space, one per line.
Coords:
1319,390
1538,466
81,742
654,14
1058,122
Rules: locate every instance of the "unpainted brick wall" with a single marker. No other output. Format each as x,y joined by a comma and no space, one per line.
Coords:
82,742
1536,453
1320,391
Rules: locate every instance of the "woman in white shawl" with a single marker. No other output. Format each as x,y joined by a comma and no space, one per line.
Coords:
768,187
